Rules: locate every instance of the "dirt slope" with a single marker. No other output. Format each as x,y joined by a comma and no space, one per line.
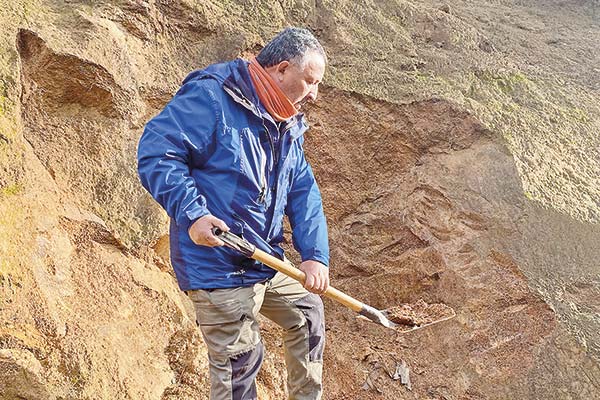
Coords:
436,211
456,148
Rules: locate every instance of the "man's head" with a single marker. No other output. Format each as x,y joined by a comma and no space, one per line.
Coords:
296,61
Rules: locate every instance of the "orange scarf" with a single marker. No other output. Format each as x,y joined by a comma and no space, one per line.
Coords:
274,100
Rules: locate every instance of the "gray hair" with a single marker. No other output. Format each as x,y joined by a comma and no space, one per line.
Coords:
291,44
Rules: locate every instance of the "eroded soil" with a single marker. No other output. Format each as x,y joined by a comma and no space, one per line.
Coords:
440,133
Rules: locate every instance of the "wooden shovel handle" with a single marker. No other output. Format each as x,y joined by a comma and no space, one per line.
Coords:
294,273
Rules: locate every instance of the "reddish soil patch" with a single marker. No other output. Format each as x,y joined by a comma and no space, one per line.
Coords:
419,314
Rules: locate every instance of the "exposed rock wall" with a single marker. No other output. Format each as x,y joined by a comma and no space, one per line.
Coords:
431,207
455,147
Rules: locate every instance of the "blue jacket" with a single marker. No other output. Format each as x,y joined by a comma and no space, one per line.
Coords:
214,150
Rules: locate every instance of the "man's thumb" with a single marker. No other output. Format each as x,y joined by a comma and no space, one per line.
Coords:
221,225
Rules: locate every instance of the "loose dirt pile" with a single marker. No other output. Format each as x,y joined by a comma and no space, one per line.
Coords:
418,314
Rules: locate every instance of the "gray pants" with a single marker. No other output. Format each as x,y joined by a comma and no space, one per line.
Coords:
228,321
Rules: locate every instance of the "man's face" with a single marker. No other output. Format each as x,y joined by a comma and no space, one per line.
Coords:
300,83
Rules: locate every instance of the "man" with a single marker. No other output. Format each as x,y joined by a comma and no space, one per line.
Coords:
227,152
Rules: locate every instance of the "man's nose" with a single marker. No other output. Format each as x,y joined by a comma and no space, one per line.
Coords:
314,92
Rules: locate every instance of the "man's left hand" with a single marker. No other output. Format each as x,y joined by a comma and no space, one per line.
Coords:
317,276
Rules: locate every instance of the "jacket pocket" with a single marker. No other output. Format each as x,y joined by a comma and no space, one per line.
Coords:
254,161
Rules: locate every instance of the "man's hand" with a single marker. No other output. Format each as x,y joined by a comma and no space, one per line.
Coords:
317,276
201,231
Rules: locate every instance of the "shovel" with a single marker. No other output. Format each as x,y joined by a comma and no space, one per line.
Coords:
380,317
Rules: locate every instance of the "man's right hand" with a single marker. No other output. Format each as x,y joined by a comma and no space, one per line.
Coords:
201,231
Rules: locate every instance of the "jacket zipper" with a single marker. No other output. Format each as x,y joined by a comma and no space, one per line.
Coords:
262,196
237,96
241,99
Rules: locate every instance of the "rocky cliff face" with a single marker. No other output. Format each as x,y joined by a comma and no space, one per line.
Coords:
456,149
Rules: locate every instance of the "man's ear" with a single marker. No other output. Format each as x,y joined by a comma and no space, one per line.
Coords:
282,67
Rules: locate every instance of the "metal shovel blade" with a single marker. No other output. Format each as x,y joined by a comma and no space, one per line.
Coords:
377,316
388,318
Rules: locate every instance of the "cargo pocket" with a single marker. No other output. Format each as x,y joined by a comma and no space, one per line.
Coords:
226,328
208,314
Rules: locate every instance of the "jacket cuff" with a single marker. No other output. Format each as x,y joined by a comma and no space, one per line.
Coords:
316,255
192,216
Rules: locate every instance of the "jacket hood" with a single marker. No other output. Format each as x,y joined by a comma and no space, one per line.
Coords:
216,71
233,74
